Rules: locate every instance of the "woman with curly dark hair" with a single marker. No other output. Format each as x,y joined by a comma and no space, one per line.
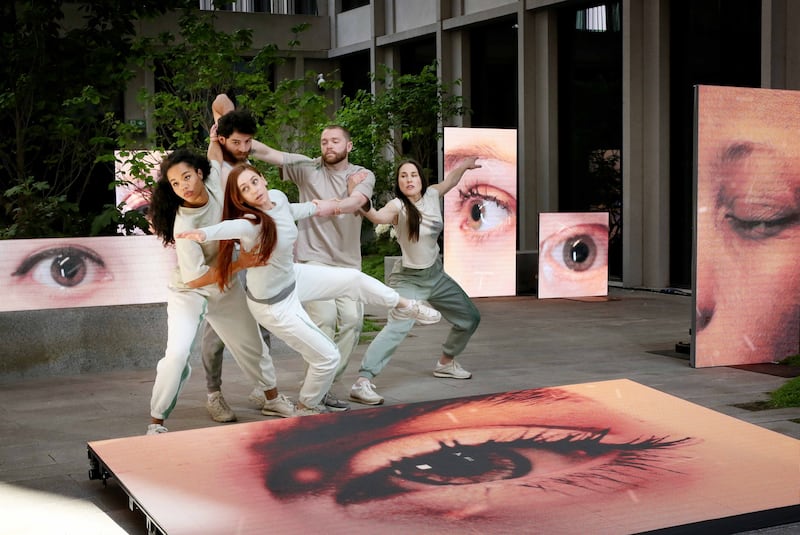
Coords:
189,195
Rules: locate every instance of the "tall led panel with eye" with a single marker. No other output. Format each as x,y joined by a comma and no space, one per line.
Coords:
480,212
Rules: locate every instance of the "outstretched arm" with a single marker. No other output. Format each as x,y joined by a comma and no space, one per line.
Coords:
195,235
265,153
210,276
245,260
454,176
386,215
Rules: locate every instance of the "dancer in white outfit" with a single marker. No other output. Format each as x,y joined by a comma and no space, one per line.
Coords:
263,221
188,195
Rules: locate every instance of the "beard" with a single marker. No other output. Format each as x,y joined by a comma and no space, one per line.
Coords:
229,156
332,158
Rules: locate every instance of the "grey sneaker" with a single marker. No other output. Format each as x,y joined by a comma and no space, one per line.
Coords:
280,406
364,392
453,370
257,398
332,403
156,429
218,408
310,411
417,310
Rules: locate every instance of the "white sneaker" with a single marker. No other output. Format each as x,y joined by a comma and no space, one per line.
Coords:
417,310
156,429
257,398
219,409
453,370
364,392
280,406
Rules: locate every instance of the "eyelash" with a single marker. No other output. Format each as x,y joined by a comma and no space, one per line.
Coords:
389,481
760,229
554,250
62,272
482,194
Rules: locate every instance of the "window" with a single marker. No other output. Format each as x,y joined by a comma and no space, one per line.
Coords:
600,18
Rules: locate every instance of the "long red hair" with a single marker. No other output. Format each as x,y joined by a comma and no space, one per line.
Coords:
235,207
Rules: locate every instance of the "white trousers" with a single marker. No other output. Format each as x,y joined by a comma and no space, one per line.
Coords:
228,315
342,319
288,320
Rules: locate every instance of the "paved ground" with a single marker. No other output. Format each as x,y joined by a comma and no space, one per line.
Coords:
523,342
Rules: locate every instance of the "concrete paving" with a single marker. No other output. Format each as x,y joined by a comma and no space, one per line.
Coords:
523,342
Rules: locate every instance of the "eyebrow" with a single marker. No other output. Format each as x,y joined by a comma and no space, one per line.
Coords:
67,250
736,151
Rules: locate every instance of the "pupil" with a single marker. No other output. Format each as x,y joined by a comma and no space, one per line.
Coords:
476,212
579,253
68,270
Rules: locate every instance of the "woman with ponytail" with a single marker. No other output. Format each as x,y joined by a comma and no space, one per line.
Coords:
416,214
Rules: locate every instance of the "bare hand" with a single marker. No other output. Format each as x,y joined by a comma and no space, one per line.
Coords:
247,259
355,179
222,104
326,208
194,235
470,163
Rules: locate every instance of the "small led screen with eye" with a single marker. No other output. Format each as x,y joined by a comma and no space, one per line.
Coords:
573,254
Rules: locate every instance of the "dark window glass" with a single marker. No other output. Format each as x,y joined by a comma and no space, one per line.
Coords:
590,116
711,43
347,5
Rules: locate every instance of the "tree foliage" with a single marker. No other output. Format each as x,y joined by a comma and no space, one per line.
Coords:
60,94
403,120
63,87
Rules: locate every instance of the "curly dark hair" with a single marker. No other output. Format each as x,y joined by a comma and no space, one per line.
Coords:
235,207
241,121
414,217
165,202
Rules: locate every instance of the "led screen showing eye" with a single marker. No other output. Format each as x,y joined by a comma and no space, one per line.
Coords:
746,281
77,272
573,254
480,212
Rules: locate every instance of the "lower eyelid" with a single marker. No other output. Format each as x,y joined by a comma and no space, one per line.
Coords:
90,260
567,460
551,246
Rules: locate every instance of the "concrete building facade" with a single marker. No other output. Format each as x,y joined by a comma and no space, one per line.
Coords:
577,79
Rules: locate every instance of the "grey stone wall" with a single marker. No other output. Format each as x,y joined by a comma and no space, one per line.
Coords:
42,343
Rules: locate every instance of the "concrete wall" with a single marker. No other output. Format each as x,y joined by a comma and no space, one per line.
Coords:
46,343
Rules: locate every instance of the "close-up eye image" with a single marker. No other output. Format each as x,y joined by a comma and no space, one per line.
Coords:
746,278
614,455
83,272
67,267
573,254
480,213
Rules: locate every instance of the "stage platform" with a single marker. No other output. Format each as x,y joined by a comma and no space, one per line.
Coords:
602,457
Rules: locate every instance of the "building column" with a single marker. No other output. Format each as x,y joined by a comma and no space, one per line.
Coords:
645,144
780,46
538,122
